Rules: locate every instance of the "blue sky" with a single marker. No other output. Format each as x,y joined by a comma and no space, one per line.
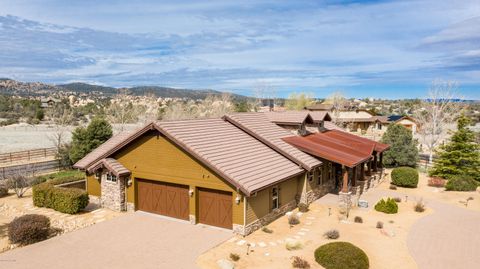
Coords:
387,49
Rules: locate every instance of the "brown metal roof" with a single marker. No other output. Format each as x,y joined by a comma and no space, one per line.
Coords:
356,141
259,126
235,155
323,147
111,165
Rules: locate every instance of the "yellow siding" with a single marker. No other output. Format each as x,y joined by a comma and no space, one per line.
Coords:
154,157
93,185
260,205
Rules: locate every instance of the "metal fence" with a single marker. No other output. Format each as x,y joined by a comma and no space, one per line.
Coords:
27,155
30,169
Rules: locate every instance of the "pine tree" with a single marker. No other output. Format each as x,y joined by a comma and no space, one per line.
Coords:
84,140
461,155
403,148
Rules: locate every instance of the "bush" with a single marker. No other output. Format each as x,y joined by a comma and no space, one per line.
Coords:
358,219
64,200
397,199
293,245
341,255
331,234
3,191
389,206
393,187
300,263
461,183
405,177
267,230
379,225
61,177
234,257
28,229
419,206
293,219
436,182
302,207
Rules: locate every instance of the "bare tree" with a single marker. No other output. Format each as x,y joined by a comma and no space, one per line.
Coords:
437,114
298,101
212,106
339,103
20,183
264,91
122,111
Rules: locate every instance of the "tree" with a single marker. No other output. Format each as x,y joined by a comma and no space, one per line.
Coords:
298,101
84,140
122,111
403,148
461,155
437,113
339,103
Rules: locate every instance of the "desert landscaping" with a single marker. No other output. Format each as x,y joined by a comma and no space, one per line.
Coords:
386,247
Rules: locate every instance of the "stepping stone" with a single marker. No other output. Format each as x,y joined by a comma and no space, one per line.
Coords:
252,245
231,240
304,229
266,254
273,244
225,264
301,233
262,244
311,218
241,242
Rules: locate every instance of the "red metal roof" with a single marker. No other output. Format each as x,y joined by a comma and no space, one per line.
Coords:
337,146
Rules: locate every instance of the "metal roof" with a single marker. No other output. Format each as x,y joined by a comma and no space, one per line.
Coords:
259,126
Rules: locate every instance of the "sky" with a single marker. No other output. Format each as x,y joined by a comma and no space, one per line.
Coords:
382,49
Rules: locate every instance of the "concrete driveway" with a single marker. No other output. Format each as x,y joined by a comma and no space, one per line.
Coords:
136,240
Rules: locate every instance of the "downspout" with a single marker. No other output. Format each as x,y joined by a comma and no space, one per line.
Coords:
125,206
244,214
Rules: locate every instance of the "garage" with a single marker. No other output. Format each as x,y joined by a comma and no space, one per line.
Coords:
215,208
163,198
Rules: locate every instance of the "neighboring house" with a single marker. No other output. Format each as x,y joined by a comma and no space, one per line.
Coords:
48,102
382,122
239,172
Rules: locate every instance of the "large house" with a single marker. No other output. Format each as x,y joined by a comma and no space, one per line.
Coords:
238,172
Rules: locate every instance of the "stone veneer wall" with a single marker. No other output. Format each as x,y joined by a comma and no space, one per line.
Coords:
259,223
113,194
317,192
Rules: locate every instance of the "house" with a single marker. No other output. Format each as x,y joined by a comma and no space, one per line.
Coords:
382,122
48,102
237,172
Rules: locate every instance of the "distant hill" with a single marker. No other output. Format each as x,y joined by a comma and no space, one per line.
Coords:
9,86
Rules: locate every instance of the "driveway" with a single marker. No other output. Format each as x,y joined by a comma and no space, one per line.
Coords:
136,240
448,238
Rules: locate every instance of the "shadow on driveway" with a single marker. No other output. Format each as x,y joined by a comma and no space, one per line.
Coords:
135,240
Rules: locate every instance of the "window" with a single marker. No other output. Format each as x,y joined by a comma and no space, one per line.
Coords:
320,176
310,176
111,177
275,201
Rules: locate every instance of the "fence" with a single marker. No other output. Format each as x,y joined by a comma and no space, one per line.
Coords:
30,169
27,155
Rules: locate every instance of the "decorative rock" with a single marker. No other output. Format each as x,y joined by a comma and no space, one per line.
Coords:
262,244
241,242
225,264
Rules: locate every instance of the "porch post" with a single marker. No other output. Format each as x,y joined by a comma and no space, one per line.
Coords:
380,162
362,171
345,179
369,168
375,162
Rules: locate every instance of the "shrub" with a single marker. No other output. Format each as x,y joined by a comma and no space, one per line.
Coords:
436,182
61,177
64,200
389,206
300,263
393,187
3,191
293,219
379,225
28,229
461,183
293,245
358,219
302,207
419,206
341,255
267,230
405,177
397,199
234,257
331,234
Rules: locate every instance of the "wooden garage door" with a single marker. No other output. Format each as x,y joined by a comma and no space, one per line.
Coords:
215,208
163,198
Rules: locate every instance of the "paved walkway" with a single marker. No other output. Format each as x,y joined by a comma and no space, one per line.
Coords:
448,238
136,240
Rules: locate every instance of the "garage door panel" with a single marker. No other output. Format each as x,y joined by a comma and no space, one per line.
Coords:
163,198
215,208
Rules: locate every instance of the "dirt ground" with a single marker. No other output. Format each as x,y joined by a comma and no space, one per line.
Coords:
386,248
11,207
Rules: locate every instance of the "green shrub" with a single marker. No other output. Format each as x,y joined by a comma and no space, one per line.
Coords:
302,207
234,257
341,255
461,183
405,177
64,200
389,206
28,229
61,177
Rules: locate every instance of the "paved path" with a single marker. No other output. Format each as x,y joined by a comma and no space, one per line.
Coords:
449,238
136,240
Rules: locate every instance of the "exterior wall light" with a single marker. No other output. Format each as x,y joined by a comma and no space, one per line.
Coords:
190,192
237,199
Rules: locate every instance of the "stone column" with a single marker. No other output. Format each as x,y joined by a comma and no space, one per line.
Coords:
345,179
344,196
375,162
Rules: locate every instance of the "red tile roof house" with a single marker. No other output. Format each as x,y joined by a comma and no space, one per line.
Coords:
238,172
